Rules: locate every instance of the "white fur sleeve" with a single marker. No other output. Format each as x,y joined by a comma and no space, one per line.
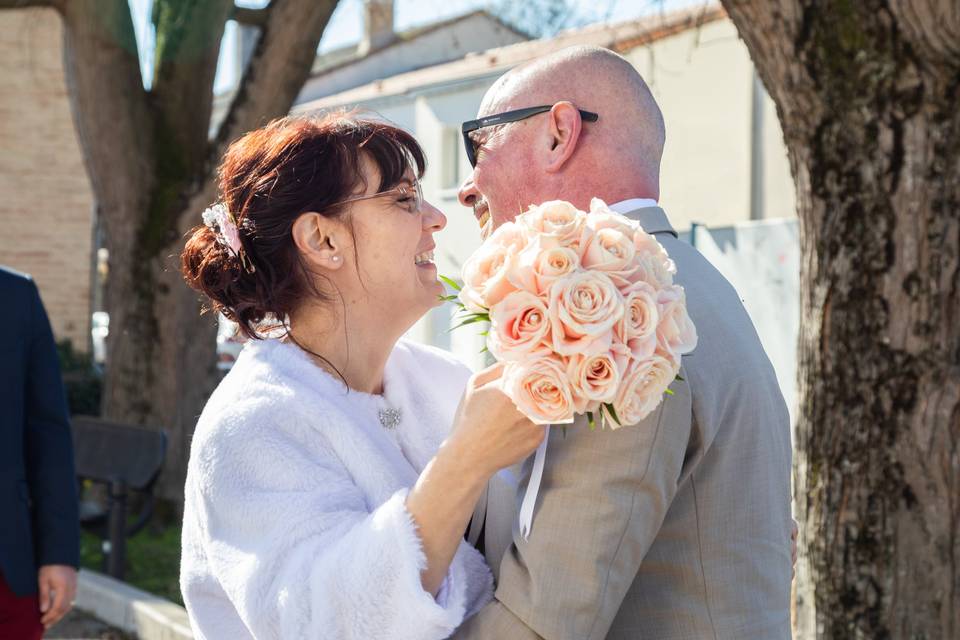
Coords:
299,554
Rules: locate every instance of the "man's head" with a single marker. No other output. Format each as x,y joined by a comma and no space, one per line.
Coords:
557,154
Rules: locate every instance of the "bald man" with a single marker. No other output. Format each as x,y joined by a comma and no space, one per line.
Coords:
676,527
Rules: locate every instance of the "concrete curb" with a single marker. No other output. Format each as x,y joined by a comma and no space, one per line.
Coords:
130,609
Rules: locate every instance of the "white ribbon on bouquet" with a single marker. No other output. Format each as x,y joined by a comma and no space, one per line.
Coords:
533,487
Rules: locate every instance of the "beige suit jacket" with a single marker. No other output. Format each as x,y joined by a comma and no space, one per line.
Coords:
677,527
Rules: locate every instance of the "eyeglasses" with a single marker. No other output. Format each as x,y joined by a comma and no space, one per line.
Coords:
413,194
470,126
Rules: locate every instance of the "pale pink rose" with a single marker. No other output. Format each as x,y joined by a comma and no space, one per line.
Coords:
556,223
538,267
540,389
642,389
485,273
603,217
509,235
611,251
519,327
653,261
653,271
594,379
584,306
638,328
675,328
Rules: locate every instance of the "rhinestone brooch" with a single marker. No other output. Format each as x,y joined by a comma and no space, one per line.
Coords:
389,418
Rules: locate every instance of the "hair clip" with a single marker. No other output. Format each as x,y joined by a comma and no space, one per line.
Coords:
218,217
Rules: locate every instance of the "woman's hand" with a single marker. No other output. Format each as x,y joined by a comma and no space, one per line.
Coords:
489,432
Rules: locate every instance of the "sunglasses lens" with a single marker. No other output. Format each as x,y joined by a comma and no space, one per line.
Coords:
469,149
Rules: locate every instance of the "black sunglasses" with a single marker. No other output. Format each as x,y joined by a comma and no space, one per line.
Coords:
503,118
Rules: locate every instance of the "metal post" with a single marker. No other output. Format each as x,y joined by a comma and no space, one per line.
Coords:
118,525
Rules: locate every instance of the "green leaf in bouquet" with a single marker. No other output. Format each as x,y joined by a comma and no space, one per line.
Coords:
591,421
669,392
471,320
681,378
452,298
613,412
450,282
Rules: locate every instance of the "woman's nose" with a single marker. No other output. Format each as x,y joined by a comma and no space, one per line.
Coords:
433,218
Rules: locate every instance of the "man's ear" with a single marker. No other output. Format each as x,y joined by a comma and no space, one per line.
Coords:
319,239
563,134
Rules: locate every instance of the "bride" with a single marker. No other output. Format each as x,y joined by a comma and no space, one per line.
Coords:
334,470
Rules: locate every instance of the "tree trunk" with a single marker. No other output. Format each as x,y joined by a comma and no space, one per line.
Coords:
152,169
867,93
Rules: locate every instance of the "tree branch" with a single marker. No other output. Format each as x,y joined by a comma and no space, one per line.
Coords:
108,102
250,17
26,4
185,64
771,30
279,67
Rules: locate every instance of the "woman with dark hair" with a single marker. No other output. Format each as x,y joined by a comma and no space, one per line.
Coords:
335,468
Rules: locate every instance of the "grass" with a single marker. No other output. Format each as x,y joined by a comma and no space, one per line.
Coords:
153,560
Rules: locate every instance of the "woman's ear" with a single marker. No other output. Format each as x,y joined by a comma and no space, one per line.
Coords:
319,240
564,133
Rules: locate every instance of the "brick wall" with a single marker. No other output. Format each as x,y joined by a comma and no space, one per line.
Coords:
46,202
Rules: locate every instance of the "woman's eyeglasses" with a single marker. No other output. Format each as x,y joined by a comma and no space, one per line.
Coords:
516,115
412,196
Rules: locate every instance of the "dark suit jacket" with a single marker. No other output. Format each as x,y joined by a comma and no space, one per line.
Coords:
39,523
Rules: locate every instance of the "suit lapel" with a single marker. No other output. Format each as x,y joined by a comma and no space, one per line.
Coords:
502,512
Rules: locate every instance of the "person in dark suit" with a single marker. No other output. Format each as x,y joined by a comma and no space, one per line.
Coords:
40,531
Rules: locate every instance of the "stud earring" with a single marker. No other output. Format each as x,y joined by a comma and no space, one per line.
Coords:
336,258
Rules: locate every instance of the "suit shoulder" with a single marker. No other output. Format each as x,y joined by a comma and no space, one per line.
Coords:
12,281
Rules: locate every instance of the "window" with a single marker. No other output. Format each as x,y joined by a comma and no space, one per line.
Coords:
451,156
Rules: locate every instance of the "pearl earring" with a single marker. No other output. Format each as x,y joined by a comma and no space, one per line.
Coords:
336,258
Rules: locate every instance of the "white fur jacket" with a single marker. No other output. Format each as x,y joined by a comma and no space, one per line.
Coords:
295,524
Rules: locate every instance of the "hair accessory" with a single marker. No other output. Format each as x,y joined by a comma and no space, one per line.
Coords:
218,217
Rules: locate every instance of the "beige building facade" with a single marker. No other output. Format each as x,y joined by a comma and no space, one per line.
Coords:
46,212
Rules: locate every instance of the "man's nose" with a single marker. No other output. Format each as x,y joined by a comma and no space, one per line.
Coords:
468,194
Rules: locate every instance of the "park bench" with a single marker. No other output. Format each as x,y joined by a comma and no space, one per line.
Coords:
125,459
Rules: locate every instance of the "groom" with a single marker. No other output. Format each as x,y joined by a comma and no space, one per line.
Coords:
675,527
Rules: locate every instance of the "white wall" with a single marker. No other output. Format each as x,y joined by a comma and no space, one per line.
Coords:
762,262
702,79
475,33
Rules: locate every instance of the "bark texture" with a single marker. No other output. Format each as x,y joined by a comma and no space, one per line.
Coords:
868,95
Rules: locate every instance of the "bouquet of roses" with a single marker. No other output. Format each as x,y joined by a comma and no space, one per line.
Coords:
582,309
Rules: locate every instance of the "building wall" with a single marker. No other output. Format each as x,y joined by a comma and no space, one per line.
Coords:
703,80
475,33
46,212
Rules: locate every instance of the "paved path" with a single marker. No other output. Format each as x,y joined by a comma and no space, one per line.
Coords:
79,625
